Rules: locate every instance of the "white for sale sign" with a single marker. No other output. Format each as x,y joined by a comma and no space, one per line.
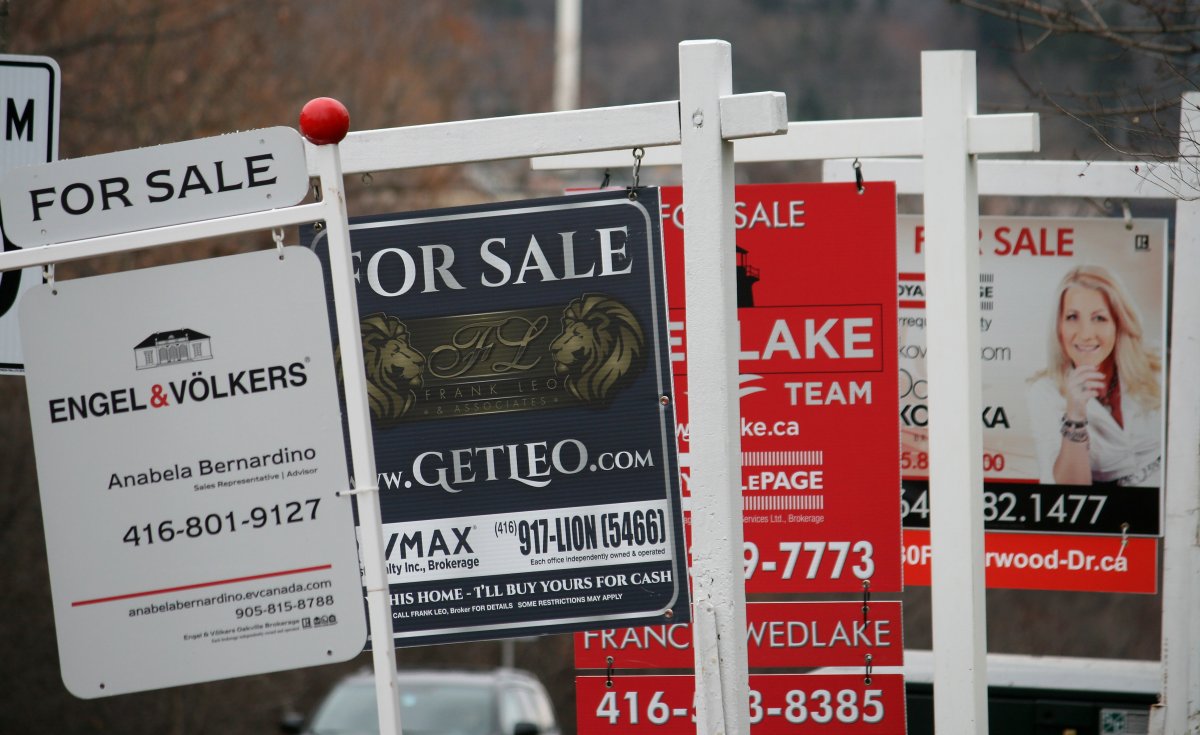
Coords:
162,185
189,454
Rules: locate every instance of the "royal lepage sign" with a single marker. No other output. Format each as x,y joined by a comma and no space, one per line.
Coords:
816,279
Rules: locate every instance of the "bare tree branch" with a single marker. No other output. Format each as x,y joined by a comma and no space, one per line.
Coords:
1060,20
1125,112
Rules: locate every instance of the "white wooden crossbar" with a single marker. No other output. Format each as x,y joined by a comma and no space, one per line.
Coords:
96,246
827,139
617,129
1116,179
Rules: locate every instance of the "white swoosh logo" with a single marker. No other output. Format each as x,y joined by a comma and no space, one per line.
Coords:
744,390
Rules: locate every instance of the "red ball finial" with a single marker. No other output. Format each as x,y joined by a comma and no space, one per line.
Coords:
324,120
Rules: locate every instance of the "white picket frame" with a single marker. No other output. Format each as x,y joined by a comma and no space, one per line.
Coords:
950,135
1124,180
706,119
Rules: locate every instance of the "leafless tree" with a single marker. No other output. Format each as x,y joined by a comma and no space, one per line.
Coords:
145,72
1136,115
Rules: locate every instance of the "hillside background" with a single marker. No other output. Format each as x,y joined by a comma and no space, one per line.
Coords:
144,72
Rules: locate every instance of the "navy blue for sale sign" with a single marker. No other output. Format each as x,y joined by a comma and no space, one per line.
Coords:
521,402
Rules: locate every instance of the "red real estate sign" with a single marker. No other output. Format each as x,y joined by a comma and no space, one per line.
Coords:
778,635
816,274
780,704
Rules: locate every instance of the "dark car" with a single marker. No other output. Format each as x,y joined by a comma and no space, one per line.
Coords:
437,702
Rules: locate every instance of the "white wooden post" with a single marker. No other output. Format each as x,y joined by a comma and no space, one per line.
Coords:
1179,708
955,436
567,20
362,448
718,576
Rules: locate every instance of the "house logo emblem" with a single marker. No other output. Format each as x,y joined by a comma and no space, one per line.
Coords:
172,348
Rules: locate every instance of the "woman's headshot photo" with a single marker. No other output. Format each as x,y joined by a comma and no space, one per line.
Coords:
1096,408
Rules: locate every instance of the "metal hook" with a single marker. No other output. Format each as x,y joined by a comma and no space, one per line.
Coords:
867,676
277,236
608,682
858,176
367,178
1128,214
316,189
866,606
607,178
637,169
1124,539
48,277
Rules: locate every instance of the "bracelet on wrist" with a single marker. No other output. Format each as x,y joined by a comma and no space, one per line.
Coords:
1069,424
1077,434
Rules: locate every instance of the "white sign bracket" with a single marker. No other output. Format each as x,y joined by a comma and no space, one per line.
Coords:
950,135
1126,180
620,128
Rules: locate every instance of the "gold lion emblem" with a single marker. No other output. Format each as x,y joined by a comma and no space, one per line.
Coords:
600,348
393,366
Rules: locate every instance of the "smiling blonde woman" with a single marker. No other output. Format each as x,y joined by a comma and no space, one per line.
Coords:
1096,409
